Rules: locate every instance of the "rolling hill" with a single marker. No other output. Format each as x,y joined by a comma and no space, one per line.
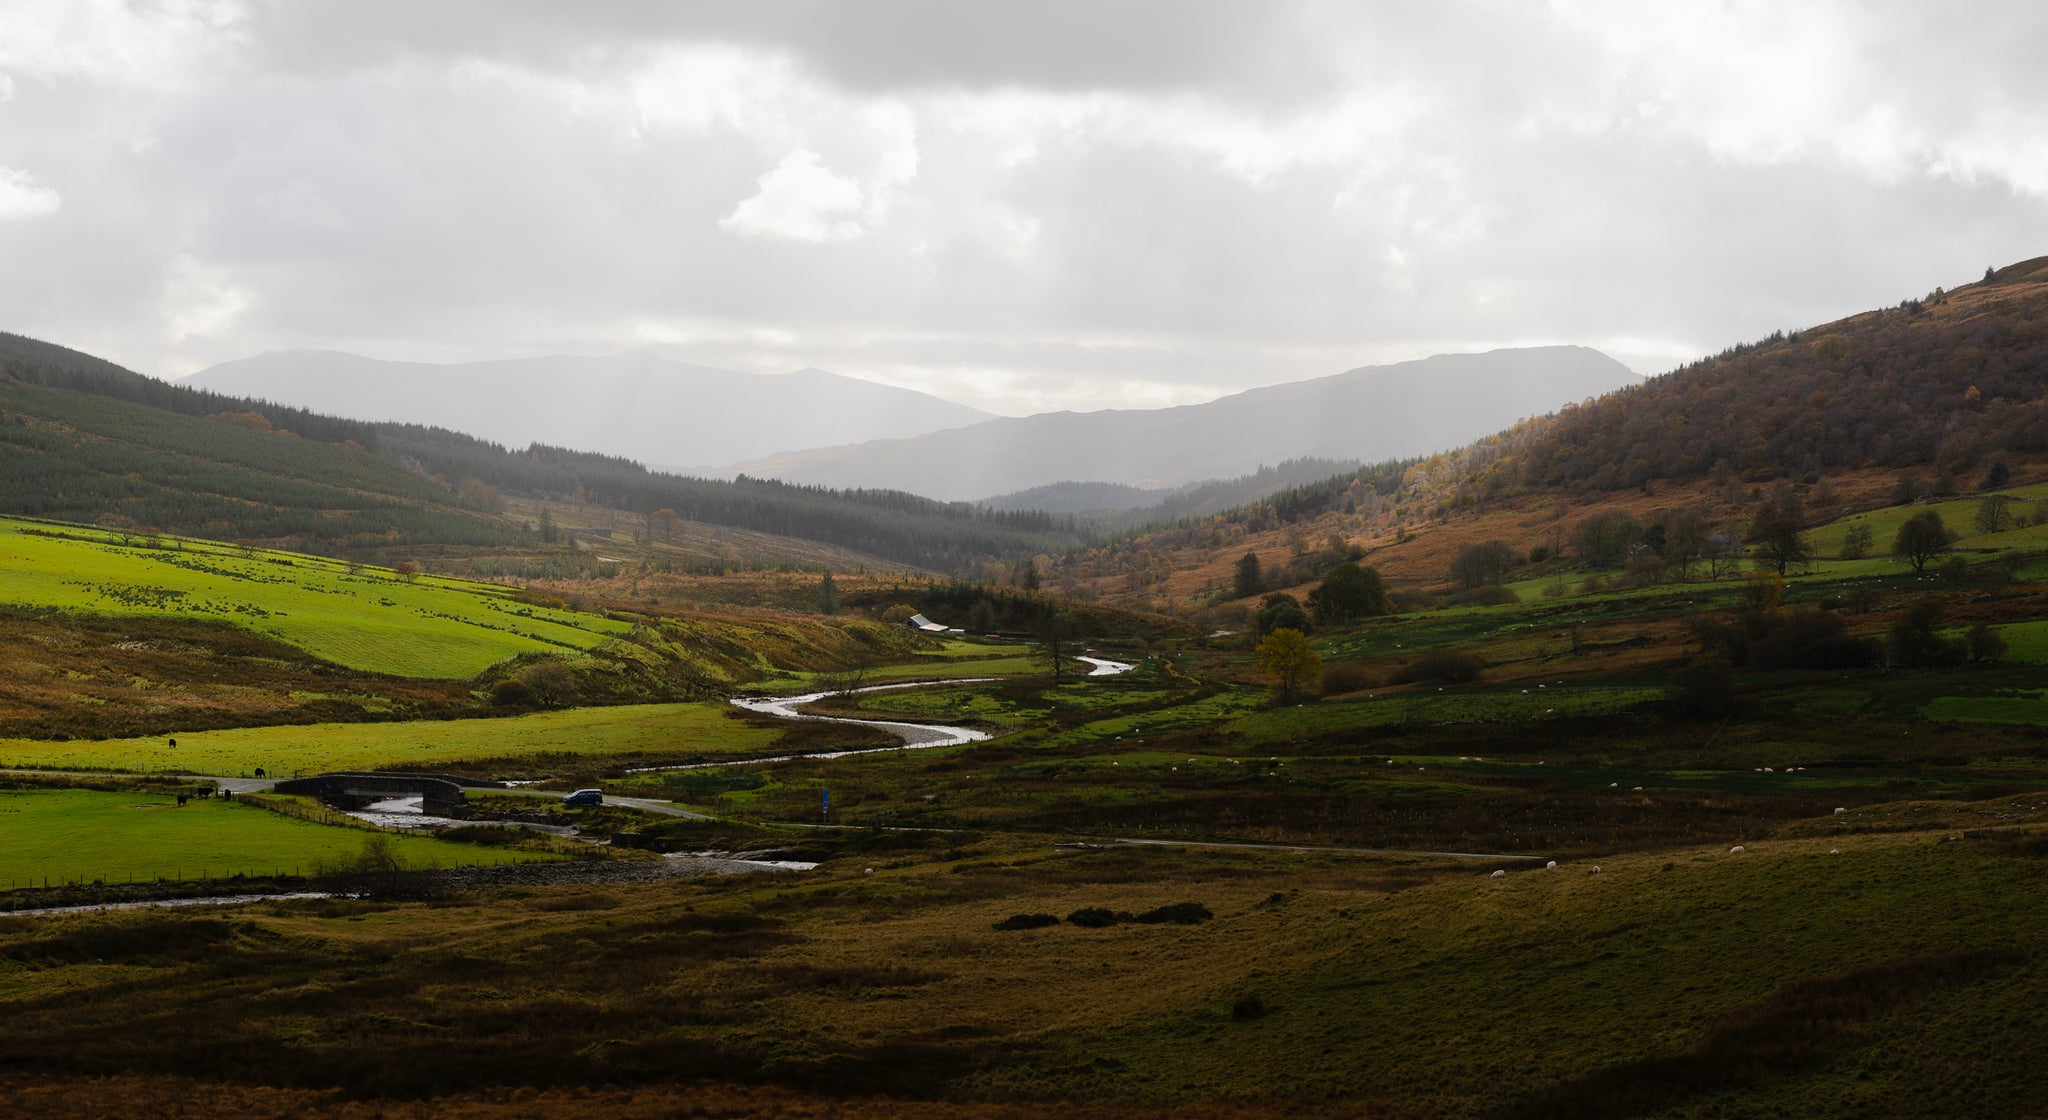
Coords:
82,439
1944,392
1374,413
636,406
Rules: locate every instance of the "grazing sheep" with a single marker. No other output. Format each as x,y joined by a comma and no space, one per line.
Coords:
1639,789
1595,870
1498,875
1736,850
1839,810
1834,851
1550,866
869,871
1614,785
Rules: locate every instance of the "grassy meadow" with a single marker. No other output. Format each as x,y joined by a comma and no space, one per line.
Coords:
602,736
359,617
1841,967
82,835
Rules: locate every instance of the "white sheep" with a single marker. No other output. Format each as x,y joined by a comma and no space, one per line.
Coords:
1639,789
1736,850
1550,865
1595,870
1839,810
1499,875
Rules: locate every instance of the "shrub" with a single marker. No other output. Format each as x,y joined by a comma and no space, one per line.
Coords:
1346,676
1028,921
1490,595
511,694
1179,913
1985,643
1442,666
496,836
1093,917
1914,642
1247,1007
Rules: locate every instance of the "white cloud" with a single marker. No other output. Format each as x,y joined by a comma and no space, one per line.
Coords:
802,200
22,197
6,88
159,45
200,301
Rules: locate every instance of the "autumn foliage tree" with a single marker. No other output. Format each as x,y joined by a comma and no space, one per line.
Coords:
1288,661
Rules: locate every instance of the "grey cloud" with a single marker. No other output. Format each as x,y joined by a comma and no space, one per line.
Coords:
1103,240
873,45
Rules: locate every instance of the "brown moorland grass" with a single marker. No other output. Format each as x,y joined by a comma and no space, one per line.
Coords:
1768,981
181,1098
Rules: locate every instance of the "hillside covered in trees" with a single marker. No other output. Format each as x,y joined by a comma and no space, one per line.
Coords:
1940,382
84,439
1883,406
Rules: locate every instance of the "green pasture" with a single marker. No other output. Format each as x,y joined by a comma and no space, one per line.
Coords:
79,835
2025,641
1496,704
992,703
2014,708
1958,513
370,619
636,729
955,660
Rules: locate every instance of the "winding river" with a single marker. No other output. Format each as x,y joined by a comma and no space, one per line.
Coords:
915,736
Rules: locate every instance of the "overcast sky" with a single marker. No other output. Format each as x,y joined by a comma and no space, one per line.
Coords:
1020,206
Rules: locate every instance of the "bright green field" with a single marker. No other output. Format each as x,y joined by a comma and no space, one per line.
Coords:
1959,514
317,748
1988,709
954,661
2026,641
79,835
371,620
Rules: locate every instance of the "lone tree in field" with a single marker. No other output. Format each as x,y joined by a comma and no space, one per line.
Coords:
1246,580
1349,591
1287,659
1922,538
1856,542
828,595
1994,514
1056,635
1778,534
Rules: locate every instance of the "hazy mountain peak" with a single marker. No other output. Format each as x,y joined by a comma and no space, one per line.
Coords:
635,404
1369,413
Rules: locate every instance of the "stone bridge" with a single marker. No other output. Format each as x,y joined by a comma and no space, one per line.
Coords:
440,795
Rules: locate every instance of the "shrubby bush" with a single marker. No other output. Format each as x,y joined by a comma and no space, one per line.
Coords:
1179,913
1346,676
1442,666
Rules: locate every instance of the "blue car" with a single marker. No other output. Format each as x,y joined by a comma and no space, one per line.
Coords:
584,797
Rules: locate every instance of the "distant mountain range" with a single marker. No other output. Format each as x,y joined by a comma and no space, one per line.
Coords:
1369,414
663,413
